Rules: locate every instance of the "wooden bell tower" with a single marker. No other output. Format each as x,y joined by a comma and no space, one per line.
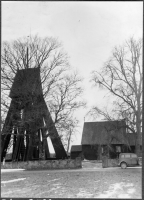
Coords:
28,119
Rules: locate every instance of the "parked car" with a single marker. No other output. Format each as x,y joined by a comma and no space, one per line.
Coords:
128,159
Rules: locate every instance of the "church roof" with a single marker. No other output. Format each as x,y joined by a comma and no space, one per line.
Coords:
106,132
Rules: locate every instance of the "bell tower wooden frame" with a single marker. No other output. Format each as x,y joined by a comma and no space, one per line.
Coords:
28,119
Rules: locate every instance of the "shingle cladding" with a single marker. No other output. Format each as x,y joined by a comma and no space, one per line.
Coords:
104,132
26,82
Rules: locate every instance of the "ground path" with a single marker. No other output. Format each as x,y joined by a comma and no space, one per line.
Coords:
90,182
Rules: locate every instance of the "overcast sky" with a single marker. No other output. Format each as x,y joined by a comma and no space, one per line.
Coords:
87,30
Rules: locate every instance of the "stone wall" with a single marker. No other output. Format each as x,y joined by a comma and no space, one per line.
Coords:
44,164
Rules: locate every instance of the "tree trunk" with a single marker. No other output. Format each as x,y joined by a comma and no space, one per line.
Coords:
138,134
138,138
69,141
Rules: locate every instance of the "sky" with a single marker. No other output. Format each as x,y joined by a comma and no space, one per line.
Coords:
88,30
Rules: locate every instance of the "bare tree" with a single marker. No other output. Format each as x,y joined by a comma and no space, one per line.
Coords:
96,112
71,132
61,88
65,99
23,53
122,77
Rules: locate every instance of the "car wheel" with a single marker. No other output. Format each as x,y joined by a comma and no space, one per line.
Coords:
123,165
